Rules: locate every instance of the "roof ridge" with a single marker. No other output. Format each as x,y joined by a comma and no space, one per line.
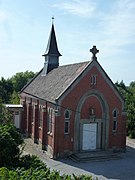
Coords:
83,62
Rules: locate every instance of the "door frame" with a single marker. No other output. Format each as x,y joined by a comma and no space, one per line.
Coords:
95,144
99,135
104,121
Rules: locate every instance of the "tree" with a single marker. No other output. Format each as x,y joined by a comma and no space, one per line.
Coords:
15,98
10,140
10,88
32,168
5,115
131,110
128,93
6,89
20,79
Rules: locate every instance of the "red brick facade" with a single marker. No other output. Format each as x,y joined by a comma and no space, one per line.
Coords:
90,99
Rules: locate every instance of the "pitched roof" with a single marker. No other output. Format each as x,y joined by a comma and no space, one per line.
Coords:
57,81
52,48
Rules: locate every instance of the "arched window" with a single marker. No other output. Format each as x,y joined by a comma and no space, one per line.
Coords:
50,117
32,113
67,122
115,114
115,120
67,114
40,116
93,79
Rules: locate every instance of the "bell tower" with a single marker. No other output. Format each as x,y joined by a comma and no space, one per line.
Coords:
52,53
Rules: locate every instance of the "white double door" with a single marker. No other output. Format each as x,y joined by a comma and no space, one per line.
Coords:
89,136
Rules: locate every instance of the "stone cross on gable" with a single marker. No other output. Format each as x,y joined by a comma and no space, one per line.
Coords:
94,51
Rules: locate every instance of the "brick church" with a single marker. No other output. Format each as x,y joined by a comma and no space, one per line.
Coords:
73,108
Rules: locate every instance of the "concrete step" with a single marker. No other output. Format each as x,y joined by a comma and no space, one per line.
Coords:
94,156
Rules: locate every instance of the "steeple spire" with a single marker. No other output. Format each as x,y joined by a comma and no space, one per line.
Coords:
52,53
53,19
52,48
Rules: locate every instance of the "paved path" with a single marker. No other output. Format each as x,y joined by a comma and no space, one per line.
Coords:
122,169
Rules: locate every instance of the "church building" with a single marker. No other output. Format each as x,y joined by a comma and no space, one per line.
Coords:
74,107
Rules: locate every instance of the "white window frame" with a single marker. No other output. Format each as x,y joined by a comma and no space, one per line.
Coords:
40,116
50,116
66,125
32,114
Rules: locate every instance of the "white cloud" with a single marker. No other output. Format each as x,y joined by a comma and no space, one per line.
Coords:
114,27
117,27
3,16
77,7
5,28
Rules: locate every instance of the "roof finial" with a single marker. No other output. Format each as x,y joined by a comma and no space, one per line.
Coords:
53,19
94,51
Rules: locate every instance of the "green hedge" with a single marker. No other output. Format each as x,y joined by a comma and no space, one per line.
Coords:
31,168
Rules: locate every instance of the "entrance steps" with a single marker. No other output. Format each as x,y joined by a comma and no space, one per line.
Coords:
94,156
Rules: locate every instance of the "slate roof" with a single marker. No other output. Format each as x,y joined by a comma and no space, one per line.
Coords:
49,87
52,48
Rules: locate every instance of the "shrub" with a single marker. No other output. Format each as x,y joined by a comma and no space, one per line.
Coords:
30,167
132,134
10,140
31,161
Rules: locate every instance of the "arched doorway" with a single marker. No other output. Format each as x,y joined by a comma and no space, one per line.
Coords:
91,122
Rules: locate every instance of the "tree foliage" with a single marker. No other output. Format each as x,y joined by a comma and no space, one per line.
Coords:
9,88
14,99
6,89
20,79
128,93
5,115
32,168
10,140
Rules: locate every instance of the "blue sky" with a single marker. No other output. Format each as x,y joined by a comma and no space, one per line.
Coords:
110,25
